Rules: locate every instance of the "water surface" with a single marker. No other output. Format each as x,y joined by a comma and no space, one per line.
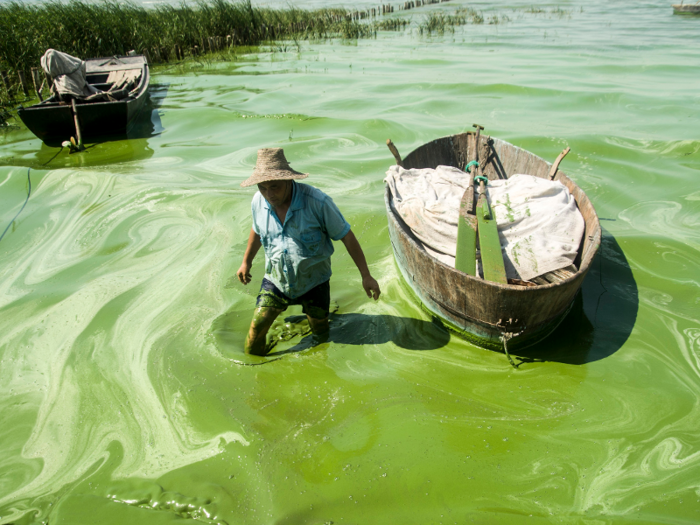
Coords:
125,394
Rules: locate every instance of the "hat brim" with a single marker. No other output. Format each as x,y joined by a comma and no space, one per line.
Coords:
267,176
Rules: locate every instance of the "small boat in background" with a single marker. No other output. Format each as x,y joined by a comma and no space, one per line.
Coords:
114,92
514,314
686,9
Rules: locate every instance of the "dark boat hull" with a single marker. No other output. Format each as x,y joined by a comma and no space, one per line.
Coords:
681,9
54,123
479,310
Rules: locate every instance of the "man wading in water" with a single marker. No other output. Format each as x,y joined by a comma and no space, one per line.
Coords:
295,224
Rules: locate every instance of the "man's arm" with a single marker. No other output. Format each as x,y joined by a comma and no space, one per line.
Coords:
370,285
251,251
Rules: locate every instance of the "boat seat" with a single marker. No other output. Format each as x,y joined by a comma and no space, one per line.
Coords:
120,84
122,78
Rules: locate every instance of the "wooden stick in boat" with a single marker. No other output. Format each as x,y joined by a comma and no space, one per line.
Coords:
394,152
555,166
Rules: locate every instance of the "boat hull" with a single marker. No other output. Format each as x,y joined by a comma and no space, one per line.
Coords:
54,123
481,311
682,9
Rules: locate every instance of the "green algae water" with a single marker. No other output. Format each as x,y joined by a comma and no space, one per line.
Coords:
124,391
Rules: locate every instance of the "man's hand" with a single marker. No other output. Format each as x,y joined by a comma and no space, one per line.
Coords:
371,287
254,245
243,273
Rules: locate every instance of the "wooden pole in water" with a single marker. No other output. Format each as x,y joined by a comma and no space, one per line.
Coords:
37,83
77,125
6,83
23,82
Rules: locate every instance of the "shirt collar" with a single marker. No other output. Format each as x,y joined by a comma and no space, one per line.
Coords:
297,197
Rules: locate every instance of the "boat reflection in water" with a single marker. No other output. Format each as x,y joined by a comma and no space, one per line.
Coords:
108,149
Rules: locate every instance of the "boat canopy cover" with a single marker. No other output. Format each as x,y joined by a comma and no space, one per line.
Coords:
68,73
539,225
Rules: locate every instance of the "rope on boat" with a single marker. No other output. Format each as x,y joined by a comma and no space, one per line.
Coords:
467,168
505,337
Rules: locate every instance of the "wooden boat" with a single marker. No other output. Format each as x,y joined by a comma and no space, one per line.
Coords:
686,9
486,313
126,80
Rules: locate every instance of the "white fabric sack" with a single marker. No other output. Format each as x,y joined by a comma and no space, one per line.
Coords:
68,73
539,224
428,202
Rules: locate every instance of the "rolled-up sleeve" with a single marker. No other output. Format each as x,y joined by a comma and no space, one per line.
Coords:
336,225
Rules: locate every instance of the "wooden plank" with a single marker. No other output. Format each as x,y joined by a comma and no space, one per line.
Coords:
491,256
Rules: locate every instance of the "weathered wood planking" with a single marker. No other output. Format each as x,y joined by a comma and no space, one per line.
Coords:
479,310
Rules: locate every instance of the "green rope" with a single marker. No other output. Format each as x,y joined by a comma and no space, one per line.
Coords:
479,178
468,166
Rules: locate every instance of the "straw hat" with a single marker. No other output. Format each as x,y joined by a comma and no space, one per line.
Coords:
272,165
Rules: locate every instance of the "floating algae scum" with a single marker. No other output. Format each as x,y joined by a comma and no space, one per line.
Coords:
121,394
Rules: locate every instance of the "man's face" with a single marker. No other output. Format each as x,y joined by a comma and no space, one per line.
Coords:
276,192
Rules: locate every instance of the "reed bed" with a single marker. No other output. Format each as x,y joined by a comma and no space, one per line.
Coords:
440,22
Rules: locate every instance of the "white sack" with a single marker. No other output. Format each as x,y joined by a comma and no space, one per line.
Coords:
539,224
68,73
428,202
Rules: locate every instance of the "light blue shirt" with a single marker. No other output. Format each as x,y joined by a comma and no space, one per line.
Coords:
298,252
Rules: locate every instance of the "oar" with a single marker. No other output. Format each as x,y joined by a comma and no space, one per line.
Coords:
489,242
467,224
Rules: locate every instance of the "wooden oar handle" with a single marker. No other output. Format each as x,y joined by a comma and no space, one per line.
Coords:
394,152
